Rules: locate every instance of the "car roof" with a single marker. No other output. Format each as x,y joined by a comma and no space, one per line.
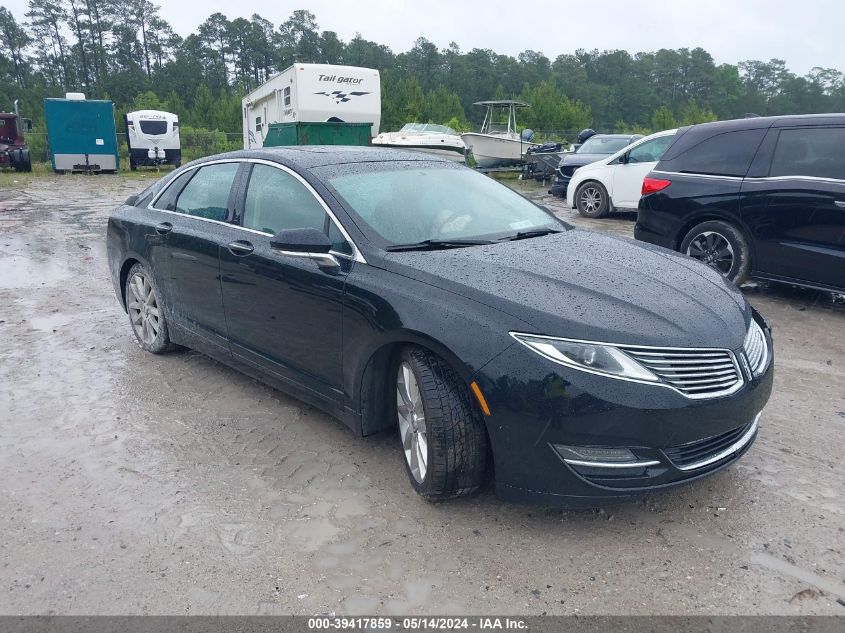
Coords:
309,156
612,136
757,122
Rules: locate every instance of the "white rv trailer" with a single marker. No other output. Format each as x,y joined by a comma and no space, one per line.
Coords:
153,138
312,93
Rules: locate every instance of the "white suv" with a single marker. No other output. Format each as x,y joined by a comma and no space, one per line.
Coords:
616,181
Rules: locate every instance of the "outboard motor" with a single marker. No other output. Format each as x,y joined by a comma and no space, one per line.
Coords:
527,135
583,135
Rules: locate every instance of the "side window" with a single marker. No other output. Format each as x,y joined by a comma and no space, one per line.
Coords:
339,243
258,124
650,151
810,152
167,200
726,154
207,194
276,200
287,95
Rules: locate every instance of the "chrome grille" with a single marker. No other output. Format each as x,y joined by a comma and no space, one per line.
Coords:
704,373
755,348
712,449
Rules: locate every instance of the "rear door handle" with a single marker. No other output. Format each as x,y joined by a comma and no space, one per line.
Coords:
164,228
840,204
240,248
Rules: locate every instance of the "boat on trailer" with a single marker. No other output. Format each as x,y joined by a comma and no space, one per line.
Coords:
430,138
498,144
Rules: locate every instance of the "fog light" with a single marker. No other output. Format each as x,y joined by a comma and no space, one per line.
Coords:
601,457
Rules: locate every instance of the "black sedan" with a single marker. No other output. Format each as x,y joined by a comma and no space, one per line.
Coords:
396,290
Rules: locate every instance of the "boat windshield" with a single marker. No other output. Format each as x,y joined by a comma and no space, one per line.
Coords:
427,128
599,145
405,202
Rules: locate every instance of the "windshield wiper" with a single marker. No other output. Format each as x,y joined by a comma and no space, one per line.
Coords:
433,245
522,235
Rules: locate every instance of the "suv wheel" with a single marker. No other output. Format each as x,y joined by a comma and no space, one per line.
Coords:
591,200
442,434
721,246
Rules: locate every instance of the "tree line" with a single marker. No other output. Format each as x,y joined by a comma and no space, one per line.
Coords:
126,51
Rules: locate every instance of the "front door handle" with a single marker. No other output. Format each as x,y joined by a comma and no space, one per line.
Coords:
164,228
240,248
840,204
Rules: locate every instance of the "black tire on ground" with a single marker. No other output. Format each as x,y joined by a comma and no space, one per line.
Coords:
591,199
456,436
154,337
722,246
132,165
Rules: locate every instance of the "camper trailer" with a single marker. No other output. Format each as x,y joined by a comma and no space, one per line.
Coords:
153,138
312,93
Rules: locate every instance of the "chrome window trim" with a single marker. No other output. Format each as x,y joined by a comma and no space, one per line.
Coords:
356,252
693,174
730,450
835,181
621,347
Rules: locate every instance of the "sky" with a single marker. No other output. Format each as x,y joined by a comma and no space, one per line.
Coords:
805,34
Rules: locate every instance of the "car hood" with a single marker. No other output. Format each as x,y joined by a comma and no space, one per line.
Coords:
577,159
584,285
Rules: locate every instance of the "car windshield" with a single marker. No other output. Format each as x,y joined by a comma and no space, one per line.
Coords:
411,202
598,145
427,128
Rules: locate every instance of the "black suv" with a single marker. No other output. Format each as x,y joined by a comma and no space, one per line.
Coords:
758,197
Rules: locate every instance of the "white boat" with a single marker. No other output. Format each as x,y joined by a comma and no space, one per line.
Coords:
425,137
498,144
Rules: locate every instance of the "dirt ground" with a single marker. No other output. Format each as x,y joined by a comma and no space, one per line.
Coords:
140,484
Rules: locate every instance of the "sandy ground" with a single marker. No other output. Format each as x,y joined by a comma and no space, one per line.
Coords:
140,484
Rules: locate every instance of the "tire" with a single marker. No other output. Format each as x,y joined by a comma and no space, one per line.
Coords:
722,246
147,320
591,200
132,166
454,440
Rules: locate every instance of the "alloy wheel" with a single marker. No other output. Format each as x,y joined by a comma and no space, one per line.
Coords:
590,199
412,428
713,249
144,312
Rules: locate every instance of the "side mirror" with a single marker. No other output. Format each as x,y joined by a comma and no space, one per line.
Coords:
307,243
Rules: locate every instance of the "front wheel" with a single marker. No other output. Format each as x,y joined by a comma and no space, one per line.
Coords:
442,433
591,200
146,314
721,246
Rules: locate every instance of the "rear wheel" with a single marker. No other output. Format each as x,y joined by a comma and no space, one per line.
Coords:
442,434
591,200
146,313
721,246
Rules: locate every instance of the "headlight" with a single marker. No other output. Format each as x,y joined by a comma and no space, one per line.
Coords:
756,349
595,358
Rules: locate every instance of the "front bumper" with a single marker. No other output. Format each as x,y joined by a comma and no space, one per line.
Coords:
560,185
536,404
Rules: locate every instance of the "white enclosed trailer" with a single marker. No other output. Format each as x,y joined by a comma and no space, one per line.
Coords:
312,93
153,138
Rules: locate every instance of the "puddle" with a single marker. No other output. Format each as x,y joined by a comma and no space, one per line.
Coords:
30,264
50,323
